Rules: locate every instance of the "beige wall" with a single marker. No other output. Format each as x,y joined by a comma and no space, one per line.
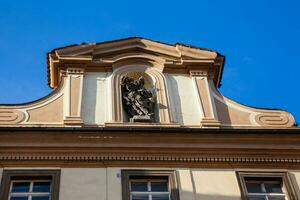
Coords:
94,99
216,185
114,191
90,184
185,184
86,183
183,98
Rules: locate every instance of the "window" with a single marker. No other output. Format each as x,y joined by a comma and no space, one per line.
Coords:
30,185
149,185
266,186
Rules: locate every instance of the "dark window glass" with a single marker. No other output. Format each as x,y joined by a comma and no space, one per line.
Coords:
41,187
159,186
139,197
20,187
139,186
18,198
253,187
160,197
273,188
256,198
276,198
41,198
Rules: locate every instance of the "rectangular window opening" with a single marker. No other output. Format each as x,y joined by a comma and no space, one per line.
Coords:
149,185
30,185
266,186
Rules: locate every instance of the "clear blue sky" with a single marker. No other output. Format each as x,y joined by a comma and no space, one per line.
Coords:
260,39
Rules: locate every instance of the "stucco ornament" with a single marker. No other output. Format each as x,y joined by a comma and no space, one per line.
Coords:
137,100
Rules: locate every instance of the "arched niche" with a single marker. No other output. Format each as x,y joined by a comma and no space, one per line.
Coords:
149,85
118,114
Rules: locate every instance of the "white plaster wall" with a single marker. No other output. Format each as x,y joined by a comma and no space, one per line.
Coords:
84,183
216,185
185,184
95,98
114,185
183,98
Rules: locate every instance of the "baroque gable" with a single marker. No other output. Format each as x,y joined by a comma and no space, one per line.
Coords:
86,79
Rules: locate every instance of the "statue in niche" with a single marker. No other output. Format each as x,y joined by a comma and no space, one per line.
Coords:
137,100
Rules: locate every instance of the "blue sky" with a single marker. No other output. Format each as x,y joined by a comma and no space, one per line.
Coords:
259,38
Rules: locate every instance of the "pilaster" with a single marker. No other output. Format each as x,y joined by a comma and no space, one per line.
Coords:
210,117
72,115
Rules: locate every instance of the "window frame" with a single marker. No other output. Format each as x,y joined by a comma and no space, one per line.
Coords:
9,176
284,176
148,175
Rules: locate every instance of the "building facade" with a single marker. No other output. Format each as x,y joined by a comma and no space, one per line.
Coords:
136,119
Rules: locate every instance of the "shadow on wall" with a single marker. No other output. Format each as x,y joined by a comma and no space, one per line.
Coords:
188,195
295,183
189,189
225,113
222,109
175,100
89,99
216,197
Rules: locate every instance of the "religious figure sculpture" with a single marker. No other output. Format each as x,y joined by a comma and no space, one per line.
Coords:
137,100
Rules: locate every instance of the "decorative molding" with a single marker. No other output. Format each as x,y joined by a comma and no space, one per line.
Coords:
73,121
195,73
141,124
10,116
210,123
274,119
73,71
193,159
202,71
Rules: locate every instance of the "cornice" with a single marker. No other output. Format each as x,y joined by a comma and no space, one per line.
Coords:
92,160
117,148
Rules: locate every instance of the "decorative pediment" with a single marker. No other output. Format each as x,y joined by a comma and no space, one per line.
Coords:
102,57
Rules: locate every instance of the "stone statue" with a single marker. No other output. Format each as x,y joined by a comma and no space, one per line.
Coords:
137,100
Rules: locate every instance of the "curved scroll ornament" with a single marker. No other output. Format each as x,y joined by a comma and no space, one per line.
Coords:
137,100
275,119
11,116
